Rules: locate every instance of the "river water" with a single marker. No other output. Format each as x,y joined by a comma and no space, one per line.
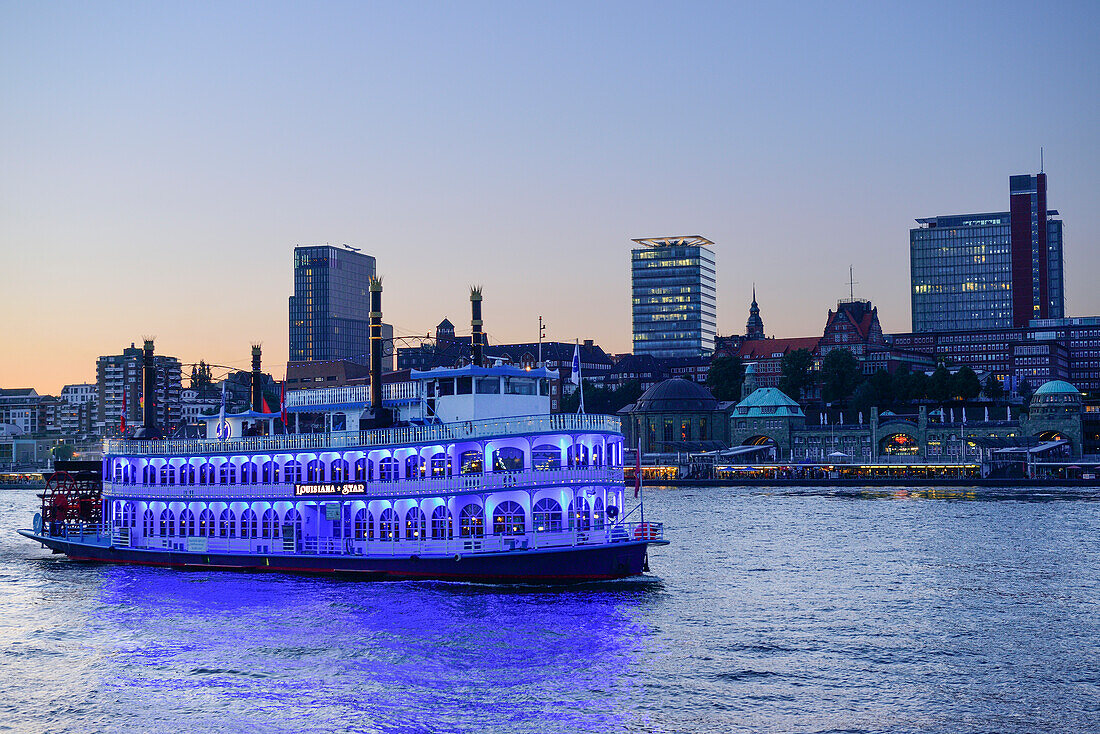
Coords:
796,610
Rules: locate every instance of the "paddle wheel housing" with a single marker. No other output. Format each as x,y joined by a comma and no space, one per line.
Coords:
73,494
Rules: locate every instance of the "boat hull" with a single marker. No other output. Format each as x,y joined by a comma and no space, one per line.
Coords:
564,565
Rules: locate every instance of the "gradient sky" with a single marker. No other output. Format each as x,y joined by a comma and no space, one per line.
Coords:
159,161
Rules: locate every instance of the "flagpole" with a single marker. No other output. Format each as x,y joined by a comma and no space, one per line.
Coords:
580,375
638,478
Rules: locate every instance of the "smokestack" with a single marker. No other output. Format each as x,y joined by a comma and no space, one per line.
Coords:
149,392
475,324
376,346
257,387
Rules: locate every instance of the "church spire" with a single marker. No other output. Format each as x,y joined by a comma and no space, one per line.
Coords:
754,328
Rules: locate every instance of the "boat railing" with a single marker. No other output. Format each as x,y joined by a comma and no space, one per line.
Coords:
415,487
609,533
401,435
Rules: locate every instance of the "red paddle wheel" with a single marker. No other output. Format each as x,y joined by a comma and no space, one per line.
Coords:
71,497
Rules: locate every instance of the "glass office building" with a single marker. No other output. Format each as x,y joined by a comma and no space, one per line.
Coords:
330,308
673,296
989,271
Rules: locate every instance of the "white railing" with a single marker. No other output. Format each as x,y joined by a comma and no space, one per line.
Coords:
349,394
418,487
286,546
402,436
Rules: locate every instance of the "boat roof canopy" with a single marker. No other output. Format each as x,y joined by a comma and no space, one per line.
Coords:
472,371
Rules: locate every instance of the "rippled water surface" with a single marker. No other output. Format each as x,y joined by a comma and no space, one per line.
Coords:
787,610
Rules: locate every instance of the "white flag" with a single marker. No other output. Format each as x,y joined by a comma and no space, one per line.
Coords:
575,378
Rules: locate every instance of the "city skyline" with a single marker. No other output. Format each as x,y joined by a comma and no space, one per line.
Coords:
159,174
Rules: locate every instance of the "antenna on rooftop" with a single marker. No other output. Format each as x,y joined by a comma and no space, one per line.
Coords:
1040,159
852,282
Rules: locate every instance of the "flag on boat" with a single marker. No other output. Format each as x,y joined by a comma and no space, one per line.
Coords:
575,378
221,432
282,403
122,416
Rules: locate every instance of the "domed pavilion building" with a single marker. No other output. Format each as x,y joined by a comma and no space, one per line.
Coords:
677,415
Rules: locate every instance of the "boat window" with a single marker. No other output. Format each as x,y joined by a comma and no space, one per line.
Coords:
447,386
440,465
248,473
471,523
187,523
249,527
580,517
519,386
226,523
471,462
338,471
359,527
206,523
187,474
270,525
387,469
387,524
597,455
412,467
292,524
463,386
508,459
292,471
597,514
488,386
147,527
313,471
167,523
509,519
227,473
547,515
148,474
270,472
118,472
546,457
167,474
442,529
415,524
578,455
544,387
362,466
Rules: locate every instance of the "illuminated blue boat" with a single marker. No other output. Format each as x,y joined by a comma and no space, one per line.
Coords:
476,480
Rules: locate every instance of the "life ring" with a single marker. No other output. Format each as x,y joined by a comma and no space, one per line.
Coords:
645,531
458,557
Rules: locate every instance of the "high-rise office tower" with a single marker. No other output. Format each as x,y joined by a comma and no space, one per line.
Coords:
673,296
986,271
330,308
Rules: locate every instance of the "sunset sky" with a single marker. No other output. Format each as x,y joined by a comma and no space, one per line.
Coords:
159,161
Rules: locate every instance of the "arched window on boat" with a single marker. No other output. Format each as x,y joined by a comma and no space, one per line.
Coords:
147,526
597,514
508,459
129,515
471,521
413,466
226,524
546,515
270,473
132,476
579,516
546,457
364,467
187,474
597,455
116,514
167,475
292,524
206,474
206,523
187,522
148,474
387,470
117,474
167,523
313,471
440,465
248,473
578,455
270,526
249,527
227,473
387,524
292,472
509,519
471,462
442,529
359,527
416,524
338,471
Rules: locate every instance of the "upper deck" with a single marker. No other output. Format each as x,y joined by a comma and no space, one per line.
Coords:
376,438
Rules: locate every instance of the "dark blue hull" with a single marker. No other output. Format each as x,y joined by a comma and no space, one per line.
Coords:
571,564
